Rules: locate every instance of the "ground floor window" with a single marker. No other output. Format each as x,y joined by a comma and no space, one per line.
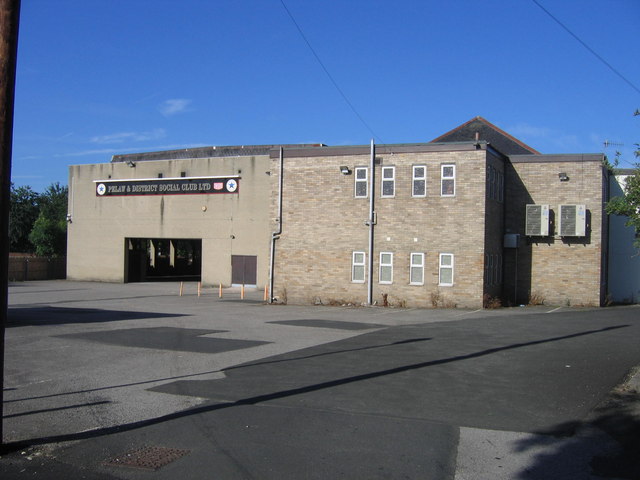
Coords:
386,267
357,267
416,269
446,270
492,269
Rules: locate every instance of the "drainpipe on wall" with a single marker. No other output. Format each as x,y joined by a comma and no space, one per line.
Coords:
276,235
371,223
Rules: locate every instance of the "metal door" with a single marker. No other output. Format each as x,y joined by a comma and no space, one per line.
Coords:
244,269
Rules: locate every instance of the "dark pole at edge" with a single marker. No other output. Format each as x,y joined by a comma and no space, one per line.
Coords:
9,19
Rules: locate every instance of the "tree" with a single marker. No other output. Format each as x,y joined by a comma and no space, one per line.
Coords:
629,204
24,210
49,233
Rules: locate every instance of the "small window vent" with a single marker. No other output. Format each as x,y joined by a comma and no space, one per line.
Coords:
537,221
573,221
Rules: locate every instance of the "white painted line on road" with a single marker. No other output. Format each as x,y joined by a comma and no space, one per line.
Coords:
387,311
554,310
468,313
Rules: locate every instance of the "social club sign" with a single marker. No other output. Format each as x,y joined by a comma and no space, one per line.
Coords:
167,186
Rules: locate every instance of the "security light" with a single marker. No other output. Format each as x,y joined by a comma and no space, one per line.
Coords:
345,170
563,177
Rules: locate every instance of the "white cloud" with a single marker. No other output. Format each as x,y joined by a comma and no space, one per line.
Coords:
526,130
115,151
129,136
173,106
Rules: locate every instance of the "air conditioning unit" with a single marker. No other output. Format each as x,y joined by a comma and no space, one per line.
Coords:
573,221
537,221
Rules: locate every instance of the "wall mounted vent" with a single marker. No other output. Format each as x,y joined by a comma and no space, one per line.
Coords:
573,221
537,221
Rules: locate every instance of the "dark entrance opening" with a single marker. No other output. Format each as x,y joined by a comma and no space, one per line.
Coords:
162,259
244,269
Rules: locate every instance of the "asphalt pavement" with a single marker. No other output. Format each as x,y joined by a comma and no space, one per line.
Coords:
109,381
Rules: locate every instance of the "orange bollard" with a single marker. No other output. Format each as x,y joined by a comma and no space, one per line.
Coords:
242,292
199,288
265,293
220,292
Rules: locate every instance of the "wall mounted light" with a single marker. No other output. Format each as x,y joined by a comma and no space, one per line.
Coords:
345,170
131,163
563,177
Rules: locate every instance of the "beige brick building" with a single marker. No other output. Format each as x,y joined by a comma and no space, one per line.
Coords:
450,222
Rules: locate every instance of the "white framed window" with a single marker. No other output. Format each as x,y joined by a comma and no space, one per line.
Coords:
358,267
416,269
445,270
419,181
447,180
388,182
386,268
361,182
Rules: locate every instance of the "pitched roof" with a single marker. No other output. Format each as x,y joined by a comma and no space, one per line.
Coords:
497,138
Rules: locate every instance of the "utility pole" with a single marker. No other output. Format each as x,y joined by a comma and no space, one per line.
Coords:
9,20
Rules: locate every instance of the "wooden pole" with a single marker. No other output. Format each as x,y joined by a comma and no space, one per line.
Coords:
181,287
220,291
199,288
266,290
9,21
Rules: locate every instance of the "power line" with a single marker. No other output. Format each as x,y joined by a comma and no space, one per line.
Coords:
587,47
335,84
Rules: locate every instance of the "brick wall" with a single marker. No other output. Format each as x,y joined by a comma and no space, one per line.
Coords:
558,270
323,224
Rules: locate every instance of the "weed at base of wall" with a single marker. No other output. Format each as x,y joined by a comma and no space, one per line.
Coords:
438,300
490,302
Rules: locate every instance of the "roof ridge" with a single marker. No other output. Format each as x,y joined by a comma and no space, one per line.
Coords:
493,127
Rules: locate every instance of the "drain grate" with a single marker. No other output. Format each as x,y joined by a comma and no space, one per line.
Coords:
148,458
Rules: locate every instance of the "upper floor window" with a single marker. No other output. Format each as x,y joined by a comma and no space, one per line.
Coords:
361,182
495,184
447,180
388,181
419,181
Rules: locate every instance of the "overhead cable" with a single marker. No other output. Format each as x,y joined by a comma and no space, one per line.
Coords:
335,84
593,52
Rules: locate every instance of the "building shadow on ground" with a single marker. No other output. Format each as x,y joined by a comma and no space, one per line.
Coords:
616,418
20,317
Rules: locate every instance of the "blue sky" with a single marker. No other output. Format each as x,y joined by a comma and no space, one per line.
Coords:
101,77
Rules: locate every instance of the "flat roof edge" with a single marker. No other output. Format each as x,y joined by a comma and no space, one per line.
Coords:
385,149
206,152
556,158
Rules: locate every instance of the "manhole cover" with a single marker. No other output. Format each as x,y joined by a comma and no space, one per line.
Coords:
148,458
